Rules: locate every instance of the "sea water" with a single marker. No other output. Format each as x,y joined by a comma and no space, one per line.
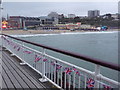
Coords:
100,45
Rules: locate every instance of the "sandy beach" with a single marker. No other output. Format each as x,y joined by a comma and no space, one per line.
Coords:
30,32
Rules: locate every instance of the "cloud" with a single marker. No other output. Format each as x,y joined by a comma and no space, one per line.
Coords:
61,1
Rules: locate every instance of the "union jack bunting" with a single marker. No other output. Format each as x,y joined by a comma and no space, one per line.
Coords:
53,63
90,83
106,87
37,58
44,60
76,71
58,67
67,70
28,52
18,49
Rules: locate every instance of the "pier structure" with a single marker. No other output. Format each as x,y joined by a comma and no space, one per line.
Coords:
28,65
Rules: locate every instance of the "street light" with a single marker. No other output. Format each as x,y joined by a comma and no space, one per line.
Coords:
1,45
1,16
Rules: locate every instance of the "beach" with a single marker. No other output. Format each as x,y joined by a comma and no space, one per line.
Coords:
28,32
31,32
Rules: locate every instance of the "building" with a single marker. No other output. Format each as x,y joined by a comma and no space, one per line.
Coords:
53,15
71,15
69,26
46,20
15,21
20,22
60,16
115,16
93,13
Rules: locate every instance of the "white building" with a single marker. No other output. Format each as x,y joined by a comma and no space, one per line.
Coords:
115,16
71,15
48,20
93,13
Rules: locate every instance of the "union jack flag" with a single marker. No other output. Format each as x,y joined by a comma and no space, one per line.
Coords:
37,58
44,60
53,63
58,67
18,49
76,71
90,83
68,71
106,87
28,52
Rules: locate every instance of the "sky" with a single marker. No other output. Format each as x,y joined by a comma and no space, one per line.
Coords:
40,8
60,0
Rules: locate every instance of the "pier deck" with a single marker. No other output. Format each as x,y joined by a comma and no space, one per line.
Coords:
16,76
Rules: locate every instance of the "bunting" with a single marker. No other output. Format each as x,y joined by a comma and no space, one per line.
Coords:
18,49
53,63
44,60
37,58
76,71
58,67
28,52
106,87
67,70
90,83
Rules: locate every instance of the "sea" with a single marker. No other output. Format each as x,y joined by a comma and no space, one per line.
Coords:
100,45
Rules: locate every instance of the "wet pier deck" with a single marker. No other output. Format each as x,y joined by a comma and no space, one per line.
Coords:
15,76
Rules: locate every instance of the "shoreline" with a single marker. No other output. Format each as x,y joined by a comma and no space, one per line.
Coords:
32,32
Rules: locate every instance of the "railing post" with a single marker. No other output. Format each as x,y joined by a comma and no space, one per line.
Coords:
43,79
23,57
13,54
5,44
97,72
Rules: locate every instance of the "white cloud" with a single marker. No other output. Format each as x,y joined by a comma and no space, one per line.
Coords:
60,0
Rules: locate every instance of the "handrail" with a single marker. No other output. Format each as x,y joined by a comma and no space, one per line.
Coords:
72,54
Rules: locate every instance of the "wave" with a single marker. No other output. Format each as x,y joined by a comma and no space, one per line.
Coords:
31,35
92,32
69,33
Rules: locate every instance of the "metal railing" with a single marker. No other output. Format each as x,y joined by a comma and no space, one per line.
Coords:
62,74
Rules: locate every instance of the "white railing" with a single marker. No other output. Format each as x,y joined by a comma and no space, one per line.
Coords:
60,73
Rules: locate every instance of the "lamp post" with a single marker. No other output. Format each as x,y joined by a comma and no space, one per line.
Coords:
1,16
1,44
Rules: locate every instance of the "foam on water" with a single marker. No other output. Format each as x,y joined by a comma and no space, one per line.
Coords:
31,35
70,33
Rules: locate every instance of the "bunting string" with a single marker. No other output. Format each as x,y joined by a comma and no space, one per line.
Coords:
68,70
27,52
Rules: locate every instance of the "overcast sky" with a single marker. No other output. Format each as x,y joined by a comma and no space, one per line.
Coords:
60,0
39,8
